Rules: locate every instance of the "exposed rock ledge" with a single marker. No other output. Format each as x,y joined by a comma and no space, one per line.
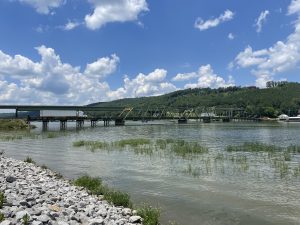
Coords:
38,192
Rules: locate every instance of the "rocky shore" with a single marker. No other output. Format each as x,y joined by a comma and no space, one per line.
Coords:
37,196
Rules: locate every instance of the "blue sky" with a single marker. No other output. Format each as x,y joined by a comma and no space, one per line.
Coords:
84,51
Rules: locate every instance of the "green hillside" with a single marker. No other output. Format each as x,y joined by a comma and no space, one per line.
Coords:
281,97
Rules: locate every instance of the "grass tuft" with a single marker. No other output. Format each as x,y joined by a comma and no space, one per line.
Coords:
149,214
2,218
29,160
92,145
2,200
94,186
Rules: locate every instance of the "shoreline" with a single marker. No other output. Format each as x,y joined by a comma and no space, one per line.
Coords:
46,199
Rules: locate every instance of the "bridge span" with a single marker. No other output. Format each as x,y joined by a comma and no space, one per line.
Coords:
120,114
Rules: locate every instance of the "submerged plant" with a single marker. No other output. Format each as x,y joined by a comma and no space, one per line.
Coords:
149,214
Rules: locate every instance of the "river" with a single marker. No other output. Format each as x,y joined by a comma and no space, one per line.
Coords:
206,190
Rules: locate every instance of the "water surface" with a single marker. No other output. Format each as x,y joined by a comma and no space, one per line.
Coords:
226,194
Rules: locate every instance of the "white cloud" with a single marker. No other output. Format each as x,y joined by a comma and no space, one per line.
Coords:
204,25
102,67
153,83
282,56
43,6
106,11
50,81
206,78
70,25
261,20
231,36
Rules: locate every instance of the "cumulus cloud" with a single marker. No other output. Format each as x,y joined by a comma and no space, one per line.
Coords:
153,83
50,81
282,56
43,6
204,25
106,11
206,77
261,20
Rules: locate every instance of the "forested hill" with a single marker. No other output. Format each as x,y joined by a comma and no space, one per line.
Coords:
278,98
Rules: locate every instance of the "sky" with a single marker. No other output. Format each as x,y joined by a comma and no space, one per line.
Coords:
76,52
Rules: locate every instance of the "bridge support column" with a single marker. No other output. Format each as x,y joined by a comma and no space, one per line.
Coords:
206,119
226,120
93,123
45,125
79,123
63,124
119,122
182,120
106,122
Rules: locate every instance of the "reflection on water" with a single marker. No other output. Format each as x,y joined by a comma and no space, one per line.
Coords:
208,198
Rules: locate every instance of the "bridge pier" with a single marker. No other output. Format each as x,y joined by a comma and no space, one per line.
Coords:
226,120
79,123
182,120
63,124
119,122
106,122
93,123
45,125
206,120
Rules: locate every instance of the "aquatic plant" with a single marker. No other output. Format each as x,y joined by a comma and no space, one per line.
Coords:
132,142
52,135
29,160
253,147
287,156
149,214
91,145
11,138
293,149
182,148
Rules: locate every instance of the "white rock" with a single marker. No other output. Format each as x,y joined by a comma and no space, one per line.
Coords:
135,219
6,222
21,214
96,222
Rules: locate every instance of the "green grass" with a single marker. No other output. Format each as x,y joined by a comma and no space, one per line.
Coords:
149,214
25,219
94,186
131,142
2,200
118,198
13,124
2,218
52,135
29,160
183,148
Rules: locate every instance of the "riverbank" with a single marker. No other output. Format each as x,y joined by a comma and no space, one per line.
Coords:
44,198
14,124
